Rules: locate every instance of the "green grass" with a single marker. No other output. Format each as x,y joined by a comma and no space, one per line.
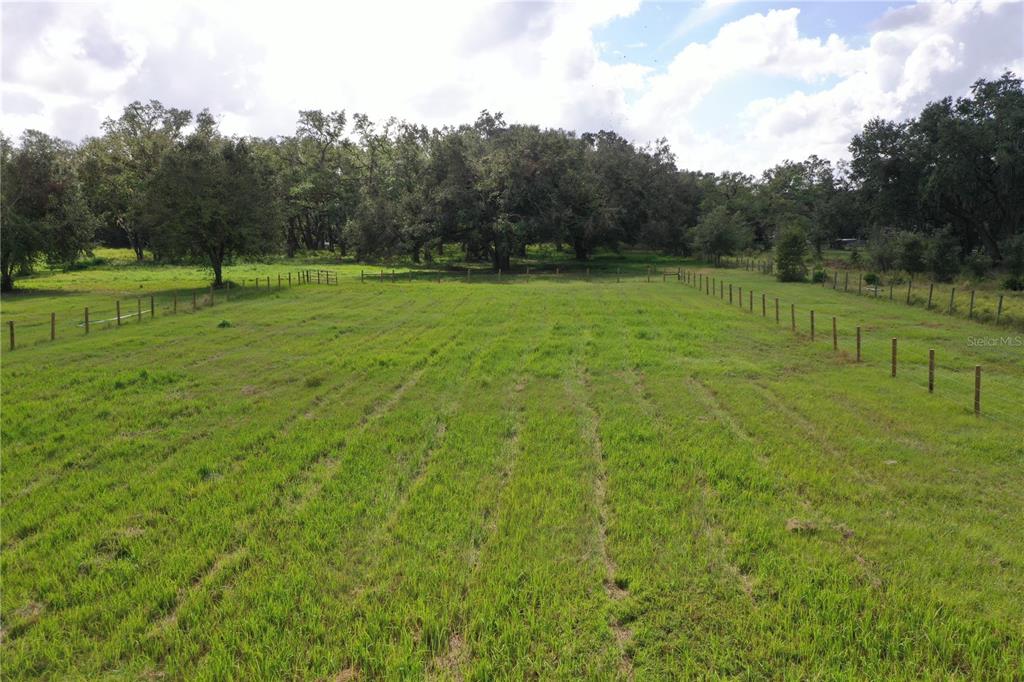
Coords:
489,480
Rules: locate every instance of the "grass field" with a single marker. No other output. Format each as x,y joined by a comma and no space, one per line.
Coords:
552,477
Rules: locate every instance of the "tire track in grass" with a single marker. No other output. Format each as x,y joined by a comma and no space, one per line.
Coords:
275,433
615,589
446,491
296,508
307,483
229,549
535,606
670,548
241,350
453,658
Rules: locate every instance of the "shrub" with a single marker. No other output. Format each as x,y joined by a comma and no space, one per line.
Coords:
872,279
882,251
818,276
978,262
1013,283
223,323
1013,255
943,255
855,259
790,254
910,250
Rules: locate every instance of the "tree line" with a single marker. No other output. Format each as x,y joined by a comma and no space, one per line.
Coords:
946,185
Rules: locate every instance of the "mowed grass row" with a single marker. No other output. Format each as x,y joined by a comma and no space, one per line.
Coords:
562,479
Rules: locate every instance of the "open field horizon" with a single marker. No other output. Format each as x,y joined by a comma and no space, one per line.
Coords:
547,477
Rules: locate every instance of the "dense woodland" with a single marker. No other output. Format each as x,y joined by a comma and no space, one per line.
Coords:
936,193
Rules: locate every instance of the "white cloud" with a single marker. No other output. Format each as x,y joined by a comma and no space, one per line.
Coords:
65,67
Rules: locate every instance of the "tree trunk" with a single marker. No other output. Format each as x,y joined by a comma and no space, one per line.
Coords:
6,281
580,249
217,261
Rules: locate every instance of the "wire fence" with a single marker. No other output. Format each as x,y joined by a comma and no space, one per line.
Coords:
961,383
24,330
1000,307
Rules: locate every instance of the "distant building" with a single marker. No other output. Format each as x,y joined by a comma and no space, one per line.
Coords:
849,243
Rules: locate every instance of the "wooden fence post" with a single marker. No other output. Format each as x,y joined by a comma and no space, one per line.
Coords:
268,282
931,370
195,303
977,389
87,320
952,293
750,306
846,282
812,325
835,280
279,280
931,288
318,276
764,305
53,326
499,274
858,344
776,311
152,308
117,305
910,286
730,294
792,316
970,315
890,289
740,296
835,335
10,325
894,356
999,309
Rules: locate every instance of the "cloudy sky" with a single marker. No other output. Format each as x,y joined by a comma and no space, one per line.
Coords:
732,85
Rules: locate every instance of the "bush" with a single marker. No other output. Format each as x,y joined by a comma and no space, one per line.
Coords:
943,255
855,259
1013,255
978,262
883,251
911,249
223,323
790,254
819,276
872,279
1013,283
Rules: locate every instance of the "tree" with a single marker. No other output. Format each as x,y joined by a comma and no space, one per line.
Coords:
118,169
42,208
791,255
911,249
943,254
720,233
214,196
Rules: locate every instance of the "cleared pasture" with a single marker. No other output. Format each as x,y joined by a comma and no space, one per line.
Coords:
553,477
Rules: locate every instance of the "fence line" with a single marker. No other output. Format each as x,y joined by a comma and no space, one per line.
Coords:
989,309
970,390
168,304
